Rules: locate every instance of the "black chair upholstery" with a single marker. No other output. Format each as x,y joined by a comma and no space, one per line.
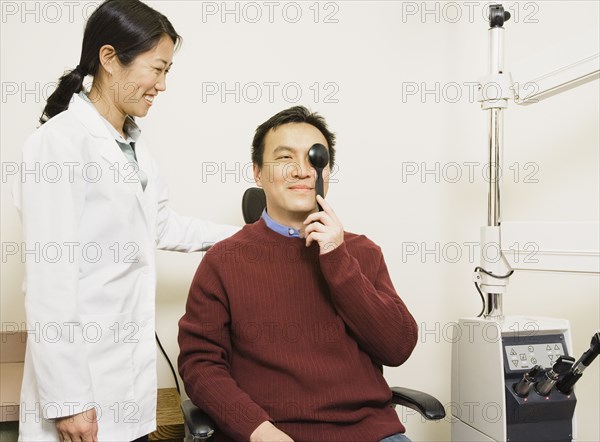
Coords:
428,406
199,426
253,203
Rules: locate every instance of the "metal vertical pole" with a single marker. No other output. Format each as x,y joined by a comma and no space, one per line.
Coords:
493,307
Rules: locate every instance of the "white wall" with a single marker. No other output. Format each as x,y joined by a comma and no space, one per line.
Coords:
368,59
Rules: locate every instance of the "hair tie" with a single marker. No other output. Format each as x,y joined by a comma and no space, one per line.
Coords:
80,70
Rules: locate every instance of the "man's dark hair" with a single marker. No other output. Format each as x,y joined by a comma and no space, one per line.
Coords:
296,114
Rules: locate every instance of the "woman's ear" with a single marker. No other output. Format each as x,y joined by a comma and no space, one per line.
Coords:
106,56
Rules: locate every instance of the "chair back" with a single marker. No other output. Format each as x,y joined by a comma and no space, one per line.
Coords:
253,203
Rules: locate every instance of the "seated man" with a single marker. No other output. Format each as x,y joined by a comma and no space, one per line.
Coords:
289,321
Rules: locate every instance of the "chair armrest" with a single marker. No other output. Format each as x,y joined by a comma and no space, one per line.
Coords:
424,403
197,422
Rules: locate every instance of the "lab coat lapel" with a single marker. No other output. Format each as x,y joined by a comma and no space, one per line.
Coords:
145,165
107,146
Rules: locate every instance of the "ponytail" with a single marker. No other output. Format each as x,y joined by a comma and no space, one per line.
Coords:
69,84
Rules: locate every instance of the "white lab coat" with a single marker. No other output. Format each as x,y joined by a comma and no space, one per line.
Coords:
90,235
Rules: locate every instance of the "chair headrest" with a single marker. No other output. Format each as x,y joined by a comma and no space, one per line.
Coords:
253,203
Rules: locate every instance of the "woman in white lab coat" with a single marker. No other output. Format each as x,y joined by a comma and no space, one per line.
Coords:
93,210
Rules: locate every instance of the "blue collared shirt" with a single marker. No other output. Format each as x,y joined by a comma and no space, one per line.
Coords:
279,228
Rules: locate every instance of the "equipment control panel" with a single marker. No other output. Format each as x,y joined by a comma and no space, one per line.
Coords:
524,357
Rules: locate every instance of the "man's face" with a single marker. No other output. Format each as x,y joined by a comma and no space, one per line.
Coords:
287,176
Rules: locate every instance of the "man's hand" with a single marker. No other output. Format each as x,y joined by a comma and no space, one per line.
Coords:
81,427
267,432
324,227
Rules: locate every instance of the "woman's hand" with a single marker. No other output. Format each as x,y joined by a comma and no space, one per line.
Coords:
81,427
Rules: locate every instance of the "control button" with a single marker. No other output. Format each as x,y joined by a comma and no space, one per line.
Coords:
515,363
556,347
533,361
513,352
551,357
548,347
530,348
523,356
291,231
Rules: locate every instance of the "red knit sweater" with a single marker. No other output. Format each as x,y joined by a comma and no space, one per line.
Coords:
275,331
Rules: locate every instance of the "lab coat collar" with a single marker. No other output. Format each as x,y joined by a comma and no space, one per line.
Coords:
89,117
107,146
132,130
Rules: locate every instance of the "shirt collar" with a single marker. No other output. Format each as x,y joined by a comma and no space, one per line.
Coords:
131,129
290,232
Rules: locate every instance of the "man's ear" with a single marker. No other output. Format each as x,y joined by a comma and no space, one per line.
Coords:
257,173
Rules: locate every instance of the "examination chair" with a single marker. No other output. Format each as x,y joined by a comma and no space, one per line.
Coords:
199,426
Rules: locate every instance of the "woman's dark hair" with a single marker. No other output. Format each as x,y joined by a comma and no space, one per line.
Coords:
296,114
130,26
